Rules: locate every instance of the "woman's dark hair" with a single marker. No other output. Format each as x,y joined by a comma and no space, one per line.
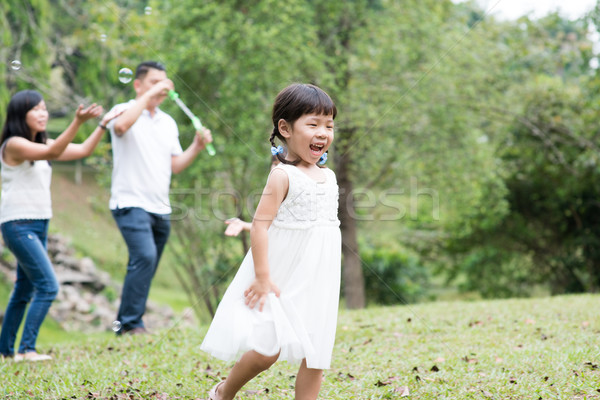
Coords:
16,113
295,101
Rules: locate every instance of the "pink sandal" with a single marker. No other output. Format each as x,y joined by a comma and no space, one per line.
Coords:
212,395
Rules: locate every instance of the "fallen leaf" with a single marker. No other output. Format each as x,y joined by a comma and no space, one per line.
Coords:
529,321
434,368
367,341
259,391
591,365
439,359
385,383
499,359
402,391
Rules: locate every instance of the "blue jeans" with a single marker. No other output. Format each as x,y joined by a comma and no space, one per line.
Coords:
145,235
26,239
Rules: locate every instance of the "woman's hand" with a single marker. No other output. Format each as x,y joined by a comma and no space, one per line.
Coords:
112,114
84,114
258,291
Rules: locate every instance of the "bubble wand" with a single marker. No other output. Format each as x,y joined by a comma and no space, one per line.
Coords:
173,95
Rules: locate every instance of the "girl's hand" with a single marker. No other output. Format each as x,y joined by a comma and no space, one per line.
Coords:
83,114
112,114
258,291
235,226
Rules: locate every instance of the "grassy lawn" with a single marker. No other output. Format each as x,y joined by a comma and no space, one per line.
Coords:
507,349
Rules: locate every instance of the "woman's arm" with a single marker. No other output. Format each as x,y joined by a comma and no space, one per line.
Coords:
19,149
85,149
270,200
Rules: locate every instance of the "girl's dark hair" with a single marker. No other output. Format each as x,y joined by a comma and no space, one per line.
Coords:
295,101
16,124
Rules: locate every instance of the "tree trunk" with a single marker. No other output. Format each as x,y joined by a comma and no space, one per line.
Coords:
352,274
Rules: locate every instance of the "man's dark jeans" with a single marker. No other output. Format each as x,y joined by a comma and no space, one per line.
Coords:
145,235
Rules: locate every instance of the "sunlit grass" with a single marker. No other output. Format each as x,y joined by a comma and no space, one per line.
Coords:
509,349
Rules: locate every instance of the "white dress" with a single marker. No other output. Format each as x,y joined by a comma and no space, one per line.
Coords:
304,255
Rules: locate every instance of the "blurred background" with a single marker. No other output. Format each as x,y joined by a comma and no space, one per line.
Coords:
466,150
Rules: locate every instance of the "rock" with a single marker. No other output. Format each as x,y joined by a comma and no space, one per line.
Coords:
80,304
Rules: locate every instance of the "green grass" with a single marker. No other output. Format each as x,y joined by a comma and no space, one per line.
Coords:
507,349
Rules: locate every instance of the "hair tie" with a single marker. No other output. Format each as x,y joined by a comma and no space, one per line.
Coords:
277,150
323,159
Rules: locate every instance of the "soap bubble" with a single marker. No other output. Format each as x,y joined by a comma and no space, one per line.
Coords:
103,38
125,75
148,10
15,65
116,326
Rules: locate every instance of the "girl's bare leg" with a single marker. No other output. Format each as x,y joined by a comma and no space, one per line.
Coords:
250,365
308,382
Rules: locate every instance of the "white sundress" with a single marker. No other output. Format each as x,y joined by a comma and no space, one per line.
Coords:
304,254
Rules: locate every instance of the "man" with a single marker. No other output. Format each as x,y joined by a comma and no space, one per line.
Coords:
146,150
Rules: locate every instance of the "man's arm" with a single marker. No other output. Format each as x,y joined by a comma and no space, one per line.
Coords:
129,116
183,160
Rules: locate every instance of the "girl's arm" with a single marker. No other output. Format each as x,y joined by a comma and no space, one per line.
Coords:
19,149
270,200
77,151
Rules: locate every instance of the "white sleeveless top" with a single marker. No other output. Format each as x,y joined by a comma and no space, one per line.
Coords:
25,190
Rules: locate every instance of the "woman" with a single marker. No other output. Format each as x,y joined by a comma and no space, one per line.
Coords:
25,209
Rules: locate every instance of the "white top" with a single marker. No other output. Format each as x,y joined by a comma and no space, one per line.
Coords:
25,190
304,258
141,174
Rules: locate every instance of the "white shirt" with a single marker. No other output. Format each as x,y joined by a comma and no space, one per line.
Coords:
141,174
25,190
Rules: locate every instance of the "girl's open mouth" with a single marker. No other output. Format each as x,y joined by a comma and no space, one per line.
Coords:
317,149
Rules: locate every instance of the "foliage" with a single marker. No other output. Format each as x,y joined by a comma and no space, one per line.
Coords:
545,232
393,276
495,120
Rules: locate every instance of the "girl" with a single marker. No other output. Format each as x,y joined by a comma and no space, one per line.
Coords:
282,303
25,209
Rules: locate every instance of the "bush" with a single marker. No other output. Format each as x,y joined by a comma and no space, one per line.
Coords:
393,276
